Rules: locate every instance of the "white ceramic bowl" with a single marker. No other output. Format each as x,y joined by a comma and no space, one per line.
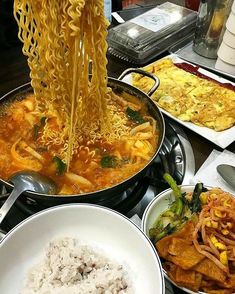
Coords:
229,38
225,67
226,53
112,232
233,7
154,209
230,22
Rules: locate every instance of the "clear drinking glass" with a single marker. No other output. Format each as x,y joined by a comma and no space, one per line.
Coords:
212,15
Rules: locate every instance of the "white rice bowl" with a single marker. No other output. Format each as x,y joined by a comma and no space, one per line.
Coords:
115,241
70,267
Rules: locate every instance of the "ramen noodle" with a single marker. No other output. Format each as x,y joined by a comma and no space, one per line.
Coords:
73,127
61,39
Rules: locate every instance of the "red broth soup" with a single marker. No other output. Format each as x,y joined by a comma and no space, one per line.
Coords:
95,165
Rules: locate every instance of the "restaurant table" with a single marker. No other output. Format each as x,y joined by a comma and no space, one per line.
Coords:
14,72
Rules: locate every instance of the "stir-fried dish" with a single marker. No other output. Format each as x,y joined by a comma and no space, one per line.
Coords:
195,238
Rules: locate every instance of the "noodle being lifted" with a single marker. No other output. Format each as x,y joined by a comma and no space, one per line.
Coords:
60,38
76,130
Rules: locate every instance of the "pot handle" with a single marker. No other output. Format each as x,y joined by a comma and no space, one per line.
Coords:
144,73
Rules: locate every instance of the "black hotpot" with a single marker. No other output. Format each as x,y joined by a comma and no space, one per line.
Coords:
109,196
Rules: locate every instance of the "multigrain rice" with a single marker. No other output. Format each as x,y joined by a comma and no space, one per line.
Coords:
74,268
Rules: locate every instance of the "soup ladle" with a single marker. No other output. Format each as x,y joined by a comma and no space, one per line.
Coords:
27,181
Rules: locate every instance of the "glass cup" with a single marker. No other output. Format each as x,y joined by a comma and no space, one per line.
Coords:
212,15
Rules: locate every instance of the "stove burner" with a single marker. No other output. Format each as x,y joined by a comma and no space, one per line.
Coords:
171,158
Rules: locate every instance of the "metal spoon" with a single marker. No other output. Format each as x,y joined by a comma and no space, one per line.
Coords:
227,172
26,181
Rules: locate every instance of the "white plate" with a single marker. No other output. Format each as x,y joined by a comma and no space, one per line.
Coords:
223,138
112,232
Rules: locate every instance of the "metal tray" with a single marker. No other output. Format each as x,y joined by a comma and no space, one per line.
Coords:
184,49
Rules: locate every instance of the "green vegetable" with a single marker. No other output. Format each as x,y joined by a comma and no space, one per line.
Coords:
156,235
37,128
60,165
177,206
172,183
134,115
43,121
109,161
168,213
174,217
195,204
179,211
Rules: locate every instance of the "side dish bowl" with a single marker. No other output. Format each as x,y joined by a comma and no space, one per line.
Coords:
159,204
113,233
